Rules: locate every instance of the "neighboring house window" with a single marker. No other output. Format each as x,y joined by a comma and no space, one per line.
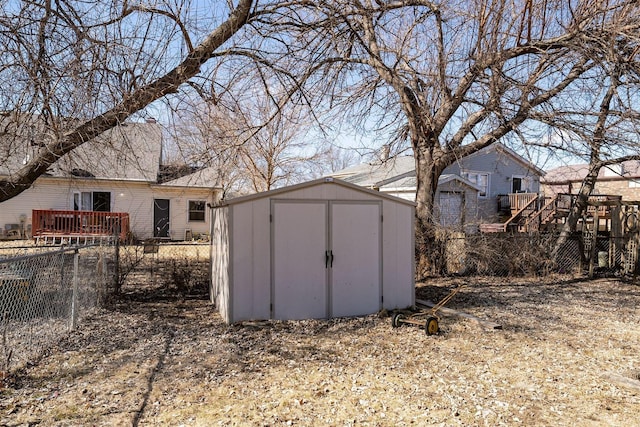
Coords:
196,210
479,179
634,183
99,201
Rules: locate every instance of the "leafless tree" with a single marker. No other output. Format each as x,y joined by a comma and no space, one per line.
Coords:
73,69
253,143
451,77
599,116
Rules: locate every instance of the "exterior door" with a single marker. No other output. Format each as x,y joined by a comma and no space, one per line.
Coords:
451,208
355,253
161,218
326,259
516,185
300,260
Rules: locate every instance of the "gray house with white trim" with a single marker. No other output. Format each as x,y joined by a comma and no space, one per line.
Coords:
468,191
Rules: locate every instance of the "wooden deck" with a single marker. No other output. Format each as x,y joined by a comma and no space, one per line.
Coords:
530,212
79,225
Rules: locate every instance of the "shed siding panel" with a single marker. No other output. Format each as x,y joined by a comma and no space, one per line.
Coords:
398,287
250,265
220,251
242,258
300,272
326,192
355,271
261,290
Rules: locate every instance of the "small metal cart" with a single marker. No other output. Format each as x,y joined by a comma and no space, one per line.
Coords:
428,319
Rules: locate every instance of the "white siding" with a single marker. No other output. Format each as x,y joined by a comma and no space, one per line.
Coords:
133,197
179,210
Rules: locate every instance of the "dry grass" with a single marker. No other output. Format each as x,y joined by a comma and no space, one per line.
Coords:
158,360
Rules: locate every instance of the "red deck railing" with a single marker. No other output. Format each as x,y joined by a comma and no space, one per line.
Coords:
54,223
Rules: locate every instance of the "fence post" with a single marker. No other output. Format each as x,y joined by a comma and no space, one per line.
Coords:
116,274
74,298
105,273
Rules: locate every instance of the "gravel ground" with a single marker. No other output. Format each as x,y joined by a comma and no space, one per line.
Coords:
567,355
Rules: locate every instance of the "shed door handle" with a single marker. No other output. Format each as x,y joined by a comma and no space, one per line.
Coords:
331,259
326,259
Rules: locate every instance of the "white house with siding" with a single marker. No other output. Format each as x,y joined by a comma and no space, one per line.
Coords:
116,172
321,249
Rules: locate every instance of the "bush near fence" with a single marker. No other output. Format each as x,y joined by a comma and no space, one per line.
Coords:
531,254
45,291
171,268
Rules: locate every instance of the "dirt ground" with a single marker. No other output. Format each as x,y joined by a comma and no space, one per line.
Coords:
567,355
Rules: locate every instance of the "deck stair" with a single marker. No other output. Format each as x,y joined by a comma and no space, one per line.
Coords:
530,213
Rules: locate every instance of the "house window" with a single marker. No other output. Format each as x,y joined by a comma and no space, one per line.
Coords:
634,183
479,179
99,201
196,210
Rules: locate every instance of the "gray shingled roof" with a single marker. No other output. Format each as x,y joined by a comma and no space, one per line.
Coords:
203,178
576,173
131,151
372,175
399,171
409,182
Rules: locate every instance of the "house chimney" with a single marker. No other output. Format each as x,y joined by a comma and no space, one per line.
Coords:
385,152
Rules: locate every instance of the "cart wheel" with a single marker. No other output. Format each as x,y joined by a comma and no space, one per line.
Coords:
431,326
396,320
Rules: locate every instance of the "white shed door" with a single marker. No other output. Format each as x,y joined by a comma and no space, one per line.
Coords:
451,205
356,266
299,252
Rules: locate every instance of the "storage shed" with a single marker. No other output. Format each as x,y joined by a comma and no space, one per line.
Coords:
321,249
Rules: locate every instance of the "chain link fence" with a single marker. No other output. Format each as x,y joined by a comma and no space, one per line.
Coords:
181,269
530,254
44,293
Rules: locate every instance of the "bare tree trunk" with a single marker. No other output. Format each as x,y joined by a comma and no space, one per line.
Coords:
428,169
578,207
